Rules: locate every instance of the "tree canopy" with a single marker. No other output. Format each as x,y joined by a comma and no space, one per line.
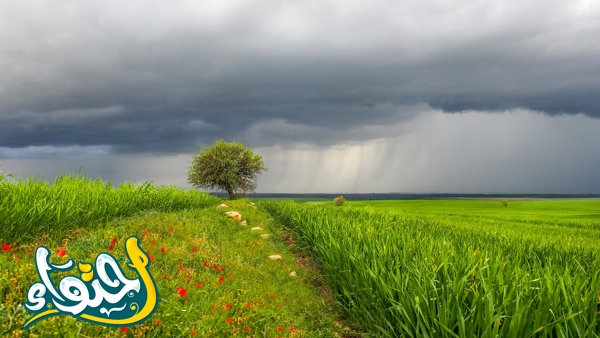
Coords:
226,166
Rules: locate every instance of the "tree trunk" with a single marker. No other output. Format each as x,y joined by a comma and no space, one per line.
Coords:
231,195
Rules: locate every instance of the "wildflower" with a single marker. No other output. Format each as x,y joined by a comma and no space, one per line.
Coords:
228,306
165,277
193,332
221,279
185,301
182,292
248,304
247,328
280,305
229,276
61,252
189,277
147,252
114,240
292,328
152,243
260,303
500,324
229,320
271,297
213,308
180,266
5,247
222,269
193,249
157,322
111,247
199,285
171,229
215,266
206,264
18,259
152,258
124,329
163,250
279,329
146,233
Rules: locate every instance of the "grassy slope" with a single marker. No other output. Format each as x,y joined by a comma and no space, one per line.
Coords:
218,240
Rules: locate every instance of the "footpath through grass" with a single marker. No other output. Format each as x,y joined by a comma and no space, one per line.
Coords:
231,286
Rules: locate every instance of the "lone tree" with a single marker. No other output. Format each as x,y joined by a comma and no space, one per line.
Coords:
226,166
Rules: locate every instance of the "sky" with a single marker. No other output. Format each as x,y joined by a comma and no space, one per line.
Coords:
347,96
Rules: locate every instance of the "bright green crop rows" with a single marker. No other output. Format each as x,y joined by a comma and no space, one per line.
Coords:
438,276
32,207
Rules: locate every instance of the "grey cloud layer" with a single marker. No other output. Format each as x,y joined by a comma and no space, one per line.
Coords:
160,77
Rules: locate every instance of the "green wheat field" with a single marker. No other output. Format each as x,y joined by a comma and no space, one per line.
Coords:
421,268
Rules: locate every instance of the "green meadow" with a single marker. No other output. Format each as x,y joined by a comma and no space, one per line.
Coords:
418,268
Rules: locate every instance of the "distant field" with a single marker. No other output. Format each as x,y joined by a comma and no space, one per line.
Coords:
546,209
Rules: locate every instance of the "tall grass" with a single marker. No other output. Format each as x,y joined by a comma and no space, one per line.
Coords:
29,208
399,275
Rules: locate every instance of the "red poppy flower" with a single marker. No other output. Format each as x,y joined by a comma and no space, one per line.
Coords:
152,243
279,329
228,306
18,259
260,303
248,304
180,266
221,279
157,322
189,277
114,240
124,329
111,247
146,232
147,252
271,297
171,229
165,277
182,292
247,328
213,308
279,305
5,247
229,320
61,252
222,269
193,332
163,250
185,301
229,276
152,258
193,249
199,285
206,264
215,266
500,323
292,328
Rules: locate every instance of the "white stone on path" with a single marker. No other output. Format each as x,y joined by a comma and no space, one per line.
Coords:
235,215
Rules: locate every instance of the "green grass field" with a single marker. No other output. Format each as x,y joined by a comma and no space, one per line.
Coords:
420,268
458,268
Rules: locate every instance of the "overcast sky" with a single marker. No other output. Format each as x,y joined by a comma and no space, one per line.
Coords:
338,96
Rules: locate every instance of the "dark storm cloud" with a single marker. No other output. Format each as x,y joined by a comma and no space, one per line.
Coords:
168,77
